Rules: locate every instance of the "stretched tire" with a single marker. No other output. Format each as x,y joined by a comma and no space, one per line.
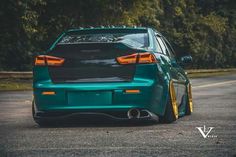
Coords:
171,111
189,104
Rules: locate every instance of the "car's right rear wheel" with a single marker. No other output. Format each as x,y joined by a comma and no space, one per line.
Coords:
171,111
189,104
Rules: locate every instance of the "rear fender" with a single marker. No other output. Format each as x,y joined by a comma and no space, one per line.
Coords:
160,94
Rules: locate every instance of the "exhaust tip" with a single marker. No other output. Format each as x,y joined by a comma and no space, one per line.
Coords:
133,113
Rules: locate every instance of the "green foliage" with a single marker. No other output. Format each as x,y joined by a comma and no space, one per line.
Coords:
205,29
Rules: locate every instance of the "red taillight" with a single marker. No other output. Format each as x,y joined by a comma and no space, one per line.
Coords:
129,59
44,60
40,60
146,58
141,58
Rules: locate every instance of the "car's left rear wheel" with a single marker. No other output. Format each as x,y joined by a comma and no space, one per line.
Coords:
40,122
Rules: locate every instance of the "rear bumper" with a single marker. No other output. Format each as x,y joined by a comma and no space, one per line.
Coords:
120,116
87,97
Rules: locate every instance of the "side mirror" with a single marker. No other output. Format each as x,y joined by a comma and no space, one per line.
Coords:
186,59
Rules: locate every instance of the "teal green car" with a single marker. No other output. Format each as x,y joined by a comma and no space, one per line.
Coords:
124,73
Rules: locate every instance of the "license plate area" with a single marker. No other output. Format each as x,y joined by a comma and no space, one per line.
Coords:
89,98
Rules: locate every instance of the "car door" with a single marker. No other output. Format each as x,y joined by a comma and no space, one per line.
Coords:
181,78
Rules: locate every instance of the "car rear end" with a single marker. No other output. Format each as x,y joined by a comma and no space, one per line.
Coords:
96,71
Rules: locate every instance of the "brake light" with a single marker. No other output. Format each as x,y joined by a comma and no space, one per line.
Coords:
146,58
129,59
44,60
40,60
140,58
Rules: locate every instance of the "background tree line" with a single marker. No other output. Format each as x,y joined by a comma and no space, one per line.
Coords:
204,28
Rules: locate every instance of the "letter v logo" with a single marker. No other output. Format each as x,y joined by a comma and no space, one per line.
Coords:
203,131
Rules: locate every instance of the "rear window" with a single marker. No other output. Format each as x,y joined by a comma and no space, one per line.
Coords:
134,38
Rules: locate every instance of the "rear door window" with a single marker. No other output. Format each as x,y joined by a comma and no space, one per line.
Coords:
169,48
162,45
158,46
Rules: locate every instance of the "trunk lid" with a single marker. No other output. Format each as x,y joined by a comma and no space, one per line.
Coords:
92,62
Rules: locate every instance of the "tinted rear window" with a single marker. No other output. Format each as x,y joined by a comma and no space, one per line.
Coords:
133,38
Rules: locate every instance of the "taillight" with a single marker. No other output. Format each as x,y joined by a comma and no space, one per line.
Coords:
129,59
146,58
44,60
141,58
40,60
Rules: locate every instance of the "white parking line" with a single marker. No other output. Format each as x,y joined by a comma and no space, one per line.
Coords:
214,84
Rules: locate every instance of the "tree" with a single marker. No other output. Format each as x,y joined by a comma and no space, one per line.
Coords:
204,29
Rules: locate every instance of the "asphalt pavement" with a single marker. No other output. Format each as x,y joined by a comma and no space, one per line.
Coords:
214,108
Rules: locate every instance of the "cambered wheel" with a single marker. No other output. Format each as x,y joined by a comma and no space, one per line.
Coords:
189,104
41,123
171,112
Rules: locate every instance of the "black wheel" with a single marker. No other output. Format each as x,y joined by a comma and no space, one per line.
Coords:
33,110
189,104
40,122
171,111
